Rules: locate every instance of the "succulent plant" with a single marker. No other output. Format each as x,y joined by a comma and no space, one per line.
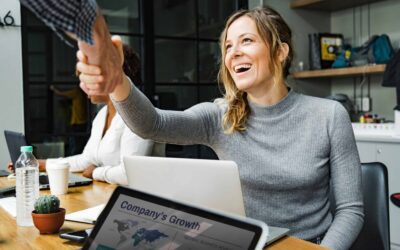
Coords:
47,204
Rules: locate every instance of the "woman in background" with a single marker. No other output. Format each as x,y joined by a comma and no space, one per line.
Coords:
110,138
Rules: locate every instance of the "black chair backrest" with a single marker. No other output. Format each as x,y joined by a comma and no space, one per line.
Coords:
395,198
375,231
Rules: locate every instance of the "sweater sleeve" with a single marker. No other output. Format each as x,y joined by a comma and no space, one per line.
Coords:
130,144
345,169
195,125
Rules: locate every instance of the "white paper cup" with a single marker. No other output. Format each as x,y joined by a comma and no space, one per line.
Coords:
58,173
397,123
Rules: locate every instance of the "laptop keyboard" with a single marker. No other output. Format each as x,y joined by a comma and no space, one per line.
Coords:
43,179
8,191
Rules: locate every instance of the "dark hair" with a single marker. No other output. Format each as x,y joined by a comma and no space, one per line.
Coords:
132,65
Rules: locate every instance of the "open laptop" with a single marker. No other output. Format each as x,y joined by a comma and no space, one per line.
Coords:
211,184
14,142
134,219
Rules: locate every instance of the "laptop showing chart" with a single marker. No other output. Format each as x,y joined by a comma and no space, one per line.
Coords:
137,220
211,184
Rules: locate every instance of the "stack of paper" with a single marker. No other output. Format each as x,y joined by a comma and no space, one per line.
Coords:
10,205
89,215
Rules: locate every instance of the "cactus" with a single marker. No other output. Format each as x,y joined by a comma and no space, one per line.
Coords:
47,204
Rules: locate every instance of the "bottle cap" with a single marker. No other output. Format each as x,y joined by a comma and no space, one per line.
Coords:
26,149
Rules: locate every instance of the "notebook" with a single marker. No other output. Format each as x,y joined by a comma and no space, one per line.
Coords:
4,173
134,219
211,184
89,215
14,142
10,205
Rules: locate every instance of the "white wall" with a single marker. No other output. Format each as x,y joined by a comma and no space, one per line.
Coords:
383,18
11,91
302,23
255,3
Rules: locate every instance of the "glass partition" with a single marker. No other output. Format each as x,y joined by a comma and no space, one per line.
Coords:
175,61
122,16
176,40
176,18
212,16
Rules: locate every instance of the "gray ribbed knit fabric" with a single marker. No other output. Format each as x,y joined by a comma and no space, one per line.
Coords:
286,158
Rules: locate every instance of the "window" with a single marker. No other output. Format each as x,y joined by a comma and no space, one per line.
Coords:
177,41
49,65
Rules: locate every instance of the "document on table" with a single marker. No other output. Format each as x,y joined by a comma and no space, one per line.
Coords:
10,205
89,215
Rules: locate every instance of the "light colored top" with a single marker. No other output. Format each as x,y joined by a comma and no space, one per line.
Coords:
287,157
107,152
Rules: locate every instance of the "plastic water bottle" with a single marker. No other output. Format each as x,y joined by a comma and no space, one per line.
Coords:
27,186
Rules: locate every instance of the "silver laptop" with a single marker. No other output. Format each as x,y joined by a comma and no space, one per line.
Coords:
74,181
209,184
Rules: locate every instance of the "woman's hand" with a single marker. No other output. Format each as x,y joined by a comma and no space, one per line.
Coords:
100,65
93,78
90,76
42,166
88,172
10,167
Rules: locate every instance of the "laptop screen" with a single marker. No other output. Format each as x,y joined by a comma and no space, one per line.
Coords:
15,141
136,220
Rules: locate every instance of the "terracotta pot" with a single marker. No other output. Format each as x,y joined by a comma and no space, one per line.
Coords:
49,223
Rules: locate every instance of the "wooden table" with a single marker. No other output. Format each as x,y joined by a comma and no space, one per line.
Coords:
78,198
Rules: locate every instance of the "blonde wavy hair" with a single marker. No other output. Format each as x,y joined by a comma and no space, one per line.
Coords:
274,31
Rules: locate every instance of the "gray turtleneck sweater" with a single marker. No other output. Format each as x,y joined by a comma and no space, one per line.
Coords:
287,157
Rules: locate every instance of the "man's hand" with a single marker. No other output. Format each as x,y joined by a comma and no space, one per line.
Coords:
107,56
88,173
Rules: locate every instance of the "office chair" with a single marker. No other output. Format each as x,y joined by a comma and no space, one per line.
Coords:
158,149
375,231
395,198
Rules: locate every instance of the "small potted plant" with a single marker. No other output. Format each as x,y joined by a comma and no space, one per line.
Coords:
48,217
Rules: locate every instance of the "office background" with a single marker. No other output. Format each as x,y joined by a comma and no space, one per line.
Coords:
177,41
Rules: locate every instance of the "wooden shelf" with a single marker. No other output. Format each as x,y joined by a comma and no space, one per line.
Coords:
329,5
350,71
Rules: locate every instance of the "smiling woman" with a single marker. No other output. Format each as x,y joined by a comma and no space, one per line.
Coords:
291,149
257,52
